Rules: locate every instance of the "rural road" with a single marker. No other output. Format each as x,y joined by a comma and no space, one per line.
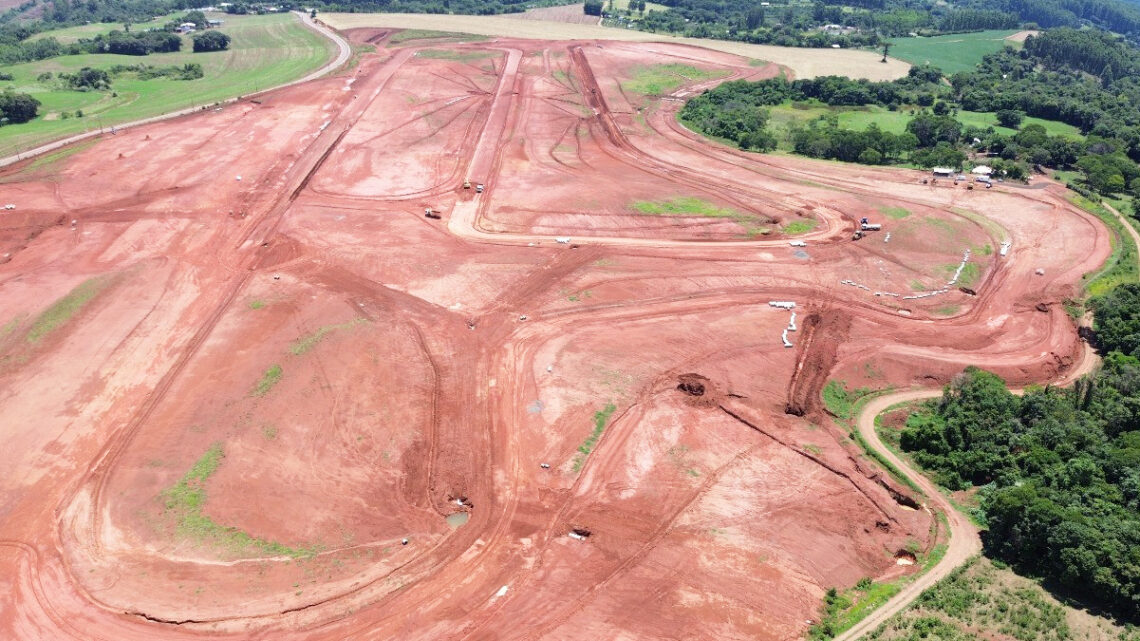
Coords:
344,51
964,538
1127,227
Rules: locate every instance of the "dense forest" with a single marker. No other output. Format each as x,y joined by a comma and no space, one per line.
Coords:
1058,469
1053,78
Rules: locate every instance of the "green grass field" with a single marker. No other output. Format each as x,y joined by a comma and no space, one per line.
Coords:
952,53
266,51
859,118
623,5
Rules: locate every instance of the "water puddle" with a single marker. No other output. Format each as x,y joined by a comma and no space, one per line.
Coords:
457,519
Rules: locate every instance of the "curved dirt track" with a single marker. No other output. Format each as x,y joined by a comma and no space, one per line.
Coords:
253,392
964,540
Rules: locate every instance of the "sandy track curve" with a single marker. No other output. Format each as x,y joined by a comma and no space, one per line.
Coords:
964,535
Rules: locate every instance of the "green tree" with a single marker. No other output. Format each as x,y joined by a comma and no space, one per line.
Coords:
211,41
1010,118
18,107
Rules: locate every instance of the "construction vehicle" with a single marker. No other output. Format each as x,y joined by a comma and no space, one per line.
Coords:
857,235
467,184
870,227
479,188
431,213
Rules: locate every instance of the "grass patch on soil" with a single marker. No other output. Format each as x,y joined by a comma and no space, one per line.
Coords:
656,80
408,35
841,401
691,206
840,395
65,308
970,273
600,419
984,600
461,56
950,53
306,343
256,304
270,378
186,499
947,310
801,226
895,213
1121,266
842,610
266,51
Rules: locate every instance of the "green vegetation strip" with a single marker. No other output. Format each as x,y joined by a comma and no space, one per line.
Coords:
897,213
461,56
657,80
65,308
587,446
801,226
846,404
691,206
1121,266
186,500
268,380
408,35
304,344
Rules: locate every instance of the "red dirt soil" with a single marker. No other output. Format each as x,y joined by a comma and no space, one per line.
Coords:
363,372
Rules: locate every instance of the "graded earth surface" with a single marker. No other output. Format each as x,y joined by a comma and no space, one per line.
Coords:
249,390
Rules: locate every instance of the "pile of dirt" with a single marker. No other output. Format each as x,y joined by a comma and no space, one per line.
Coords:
698,390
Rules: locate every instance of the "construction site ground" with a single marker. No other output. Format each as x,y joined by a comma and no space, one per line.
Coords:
249,390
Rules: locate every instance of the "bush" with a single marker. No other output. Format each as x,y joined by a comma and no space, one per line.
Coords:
87,78
18,107
211,41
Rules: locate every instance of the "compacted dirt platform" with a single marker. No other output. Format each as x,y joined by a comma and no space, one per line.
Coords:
248,389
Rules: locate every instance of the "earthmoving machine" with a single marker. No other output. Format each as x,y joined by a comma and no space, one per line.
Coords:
431,213
467,184
479,188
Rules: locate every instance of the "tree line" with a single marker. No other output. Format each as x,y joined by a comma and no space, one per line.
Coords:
1058,469
1049,79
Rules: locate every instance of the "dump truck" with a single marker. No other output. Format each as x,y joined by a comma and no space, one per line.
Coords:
467,184
479,188
431,213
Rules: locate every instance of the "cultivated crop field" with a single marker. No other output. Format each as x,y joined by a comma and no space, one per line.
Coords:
249,390
266,51
952,53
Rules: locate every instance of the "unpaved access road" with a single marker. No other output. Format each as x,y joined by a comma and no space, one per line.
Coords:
964,539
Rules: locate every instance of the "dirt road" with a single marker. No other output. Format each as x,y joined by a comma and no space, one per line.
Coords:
964,538
1128,227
